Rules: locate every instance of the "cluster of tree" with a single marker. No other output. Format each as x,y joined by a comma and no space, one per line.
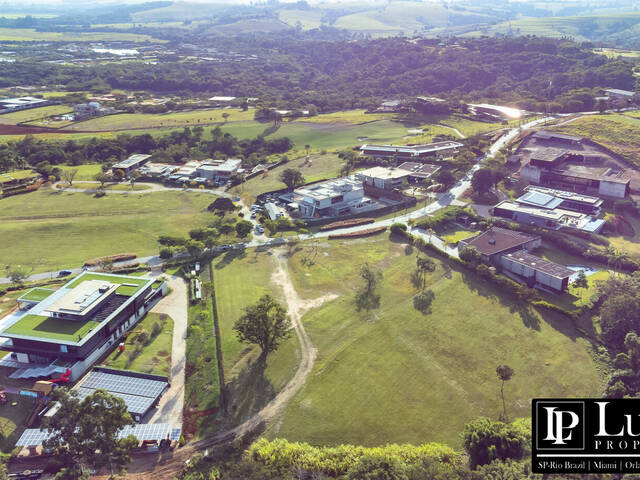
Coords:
528,71
176,147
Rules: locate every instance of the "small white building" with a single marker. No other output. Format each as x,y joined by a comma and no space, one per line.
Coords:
383,177
337,197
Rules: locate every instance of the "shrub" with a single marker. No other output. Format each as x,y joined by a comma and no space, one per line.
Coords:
156,329
142,337
422,301
166,253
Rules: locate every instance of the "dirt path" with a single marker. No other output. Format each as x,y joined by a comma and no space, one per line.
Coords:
152,467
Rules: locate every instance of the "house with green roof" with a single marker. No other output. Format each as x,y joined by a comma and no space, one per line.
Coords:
74,326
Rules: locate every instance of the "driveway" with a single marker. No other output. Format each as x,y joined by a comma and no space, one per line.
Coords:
175,305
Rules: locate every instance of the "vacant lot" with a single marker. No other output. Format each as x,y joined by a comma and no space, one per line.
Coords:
396,375
51,230
155,356
619,133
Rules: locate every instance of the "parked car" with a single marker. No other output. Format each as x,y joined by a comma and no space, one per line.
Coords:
253,215
259,229
224,248
64,273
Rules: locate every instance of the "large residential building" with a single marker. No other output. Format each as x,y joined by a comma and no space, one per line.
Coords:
73,327
132,163
342,196
403,153
551,198
498,241
383,178
219,171
84,111
508,250
419,172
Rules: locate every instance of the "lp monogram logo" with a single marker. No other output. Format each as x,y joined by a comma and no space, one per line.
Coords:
556,425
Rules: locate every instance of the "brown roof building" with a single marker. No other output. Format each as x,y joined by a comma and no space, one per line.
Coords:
497,241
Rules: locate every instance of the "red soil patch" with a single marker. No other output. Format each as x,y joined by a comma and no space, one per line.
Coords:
21,130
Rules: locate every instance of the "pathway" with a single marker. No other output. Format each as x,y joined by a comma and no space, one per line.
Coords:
175,305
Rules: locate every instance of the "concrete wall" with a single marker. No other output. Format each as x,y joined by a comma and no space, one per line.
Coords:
612,189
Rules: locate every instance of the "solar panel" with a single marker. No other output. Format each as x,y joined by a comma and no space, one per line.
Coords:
174,436
32,437
135,404
124,384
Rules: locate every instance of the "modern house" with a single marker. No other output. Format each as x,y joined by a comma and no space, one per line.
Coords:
558,138
498,241
551,198
219,171
411,152
333,198
157,170
383,177
546,217
536,271
84,111
419,172
132,163
508,250
71,328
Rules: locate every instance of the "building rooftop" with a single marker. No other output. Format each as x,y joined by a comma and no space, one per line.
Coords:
36,295
384,173
422,170
563,218
547,154
540,200
329,189
565,195
39,324
548,135
617,91
131,161
593,173
506,111
413,149
222,99
496,240
545,266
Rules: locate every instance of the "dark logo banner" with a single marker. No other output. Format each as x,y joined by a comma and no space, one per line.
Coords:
586,435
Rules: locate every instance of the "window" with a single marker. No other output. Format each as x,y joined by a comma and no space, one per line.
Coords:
63,348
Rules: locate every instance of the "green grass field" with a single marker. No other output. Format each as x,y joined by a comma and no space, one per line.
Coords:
16,175
53,230
132,284
619,133
127,121
396,375
37,294
13,418
31,35
34,114
454,235
85,172
308,19
154,358
240,280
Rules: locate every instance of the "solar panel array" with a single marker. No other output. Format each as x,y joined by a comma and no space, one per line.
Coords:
33,437
138,393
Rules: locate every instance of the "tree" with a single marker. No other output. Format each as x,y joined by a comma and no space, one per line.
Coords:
69,174
292,178
222,204
482,181
265,323
366,297
17,275
445,177
226,116
82,427
243,228
471,255
135,175
486,440
307,147
424,266
504,373
105,264
377,467
422,301
102,178
581,282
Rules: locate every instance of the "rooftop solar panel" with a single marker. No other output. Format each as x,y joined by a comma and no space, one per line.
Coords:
135,404
124,384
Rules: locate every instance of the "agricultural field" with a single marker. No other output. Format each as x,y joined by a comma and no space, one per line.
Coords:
58,229
31,35
128,121
154,357
321,167
34,114
308,19
619,133
396,375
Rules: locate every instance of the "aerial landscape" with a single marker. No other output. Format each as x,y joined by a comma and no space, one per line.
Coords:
342,239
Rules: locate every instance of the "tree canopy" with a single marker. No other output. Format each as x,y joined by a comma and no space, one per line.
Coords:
265,323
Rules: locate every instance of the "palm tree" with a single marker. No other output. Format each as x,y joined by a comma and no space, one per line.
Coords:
505,373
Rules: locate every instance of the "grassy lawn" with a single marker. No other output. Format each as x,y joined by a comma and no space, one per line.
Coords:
322,167
30,34
130,285
126,121
34,113
240,279
16,175
37,294
619,133
154,357
54,328
40,221
85,172
396,375
454,235
12,419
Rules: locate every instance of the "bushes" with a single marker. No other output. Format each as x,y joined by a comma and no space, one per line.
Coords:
347,223
336,461
361,233
486,441
120,257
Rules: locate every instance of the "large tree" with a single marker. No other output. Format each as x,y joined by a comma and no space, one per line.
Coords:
292,178
366,297
486,440
482,180
424,266
80,428
504,373
265,323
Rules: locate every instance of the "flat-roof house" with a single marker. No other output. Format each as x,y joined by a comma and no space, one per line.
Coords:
410,152
74,326
537,271
220,171
547,157
22,103
383,177
157,170
333,198
419,172
497,241
132,163
543,197
556,137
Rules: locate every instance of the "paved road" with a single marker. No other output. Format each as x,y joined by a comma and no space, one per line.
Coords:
175,305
